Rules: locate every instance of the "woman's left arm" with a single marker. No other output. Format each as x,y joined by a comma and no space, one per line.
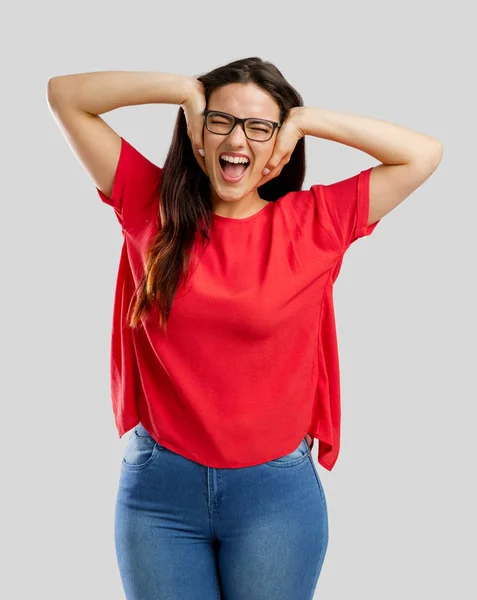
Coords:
408,157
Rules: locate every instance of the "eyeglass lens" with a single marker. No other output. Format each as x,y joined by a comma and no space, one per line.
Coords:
255,129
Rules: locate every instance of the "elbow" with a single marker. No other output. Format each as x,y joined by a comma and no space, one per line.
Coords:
55,89
52,90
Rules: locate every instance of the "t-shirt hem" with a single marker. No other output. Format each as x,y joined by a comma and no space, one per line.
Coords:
362,210
162,442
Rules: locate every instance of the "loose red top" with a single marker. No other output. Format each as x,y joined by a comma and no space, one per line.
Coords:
250,361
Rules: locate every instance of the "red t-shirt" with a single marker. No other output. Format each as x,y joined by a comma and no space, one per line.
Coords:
250,362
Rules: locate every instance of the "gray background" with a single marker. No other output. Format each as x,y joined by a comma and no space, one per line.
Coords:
401,497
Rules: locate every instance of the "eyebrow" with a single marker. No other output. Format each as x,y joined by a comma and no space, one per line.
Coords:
230,114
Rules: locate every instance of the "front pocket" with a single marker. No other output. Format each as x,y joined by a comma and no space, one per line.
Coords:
141,431
141,449
293,458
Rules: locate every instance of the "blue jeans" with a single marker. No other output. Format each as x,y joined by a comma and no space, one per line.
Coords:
185,531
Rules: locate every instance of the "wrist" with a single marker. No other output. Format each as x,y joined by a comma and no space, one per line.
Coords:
193,87
297,116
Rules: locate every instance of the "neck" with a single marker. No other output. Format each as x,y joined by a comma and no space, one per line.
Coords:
237,209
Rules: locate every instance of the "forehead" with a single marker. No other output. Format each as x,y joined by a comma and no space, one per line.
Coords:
244,100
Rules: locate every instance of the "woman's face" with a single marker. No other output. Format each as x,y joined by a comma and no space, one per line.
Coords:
240,100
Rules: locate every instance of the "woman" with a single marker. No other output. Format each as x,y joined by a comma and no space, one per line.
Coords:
227,364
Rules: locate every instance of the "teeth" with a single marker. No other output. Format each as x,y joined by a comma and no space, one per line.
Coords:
235,159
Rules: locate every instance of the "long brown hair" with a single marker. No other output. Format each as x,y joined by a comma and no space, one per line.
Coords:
185,205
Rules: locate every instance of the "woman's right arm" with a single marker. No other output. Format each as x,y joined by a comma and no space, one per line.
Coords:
77,100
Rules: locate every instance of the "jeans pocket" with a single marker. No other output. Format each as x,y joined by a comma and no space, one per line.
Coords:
318,481
293,458
141,449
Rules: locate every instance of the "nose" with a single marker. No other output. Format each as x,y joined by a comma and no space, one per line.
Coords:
238,134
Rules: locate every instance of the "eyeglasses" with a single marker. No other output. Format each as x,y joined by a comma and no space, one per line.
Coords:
258,130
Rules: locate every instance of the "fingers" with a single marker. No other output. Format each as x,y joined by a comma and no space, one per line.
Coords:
275,167
198,147
276,163
198,141
196,137
200,158
194,113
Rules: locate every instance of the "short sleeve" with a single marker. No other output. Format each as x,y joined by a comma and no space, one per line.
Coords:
135,191
341,211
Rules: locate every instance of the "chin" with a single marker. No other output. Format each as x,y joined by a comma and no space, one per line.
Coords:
232,195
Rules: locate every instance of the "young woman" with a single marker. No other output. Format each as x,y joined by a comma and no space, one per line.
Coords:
224,352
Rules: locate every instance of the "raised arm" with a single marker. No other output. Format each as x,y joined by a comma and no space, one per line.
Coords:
77,100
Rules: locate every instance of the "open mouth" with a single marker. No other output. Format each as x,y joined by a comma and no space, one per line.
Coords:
231,172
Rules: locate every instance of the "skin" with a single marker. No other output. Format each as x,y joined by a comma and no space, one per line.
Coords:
239,200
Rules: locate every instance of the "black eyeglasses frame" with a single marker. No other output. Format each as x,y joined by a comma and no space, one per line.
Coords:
242,124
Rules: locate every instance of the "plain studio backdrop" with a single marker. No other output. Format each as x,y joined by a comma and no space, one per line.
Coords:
401,497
